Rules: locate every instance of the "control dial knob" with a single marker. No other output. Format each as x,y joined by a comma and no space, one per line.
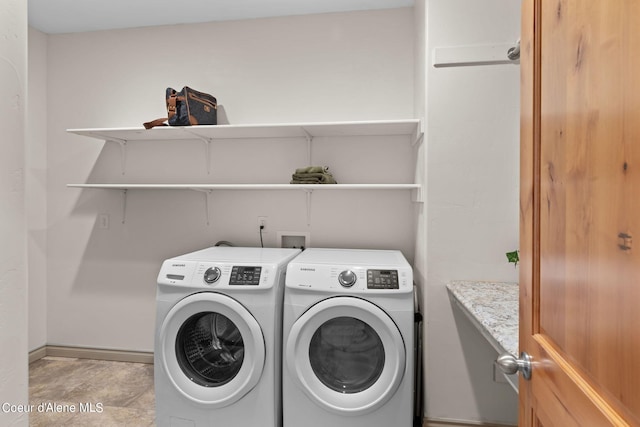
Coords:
347,278
212,275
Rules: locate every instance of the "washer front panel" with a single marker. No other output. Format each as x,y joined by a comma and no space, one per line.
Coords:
362,333
214,393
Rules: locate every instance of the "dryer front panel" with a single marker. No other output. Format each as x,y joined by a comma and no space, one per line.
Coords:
212,349
347,355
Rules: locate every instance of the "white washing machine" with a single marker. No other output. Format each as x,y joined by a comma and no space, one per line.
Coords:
348,332
218,337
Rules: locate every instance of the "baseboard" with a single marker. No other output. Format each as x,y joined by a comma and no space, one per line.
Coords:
90,353
438,423
37,354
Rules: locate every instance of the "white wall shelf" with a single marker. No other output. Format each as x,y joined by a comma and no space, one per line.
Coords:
411,128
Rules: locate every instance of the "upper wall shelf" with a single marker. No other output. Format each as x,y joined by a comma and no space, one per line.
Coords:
411,128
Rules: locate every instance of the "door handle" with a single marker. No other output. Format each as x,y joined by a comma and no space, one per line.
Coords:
510,365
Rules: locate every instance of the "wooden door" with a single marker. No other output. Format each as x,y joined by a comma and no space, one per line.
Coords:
580,212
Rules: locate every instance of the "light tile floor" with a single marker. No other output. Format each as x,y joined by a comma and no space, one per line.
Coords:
65,391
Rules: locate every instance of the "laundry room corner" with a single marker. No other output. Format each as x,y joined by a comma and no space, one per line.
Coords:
259,75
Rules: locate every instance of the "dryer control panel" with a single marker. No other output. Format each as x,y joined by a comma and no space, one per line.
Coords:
350,271
350,279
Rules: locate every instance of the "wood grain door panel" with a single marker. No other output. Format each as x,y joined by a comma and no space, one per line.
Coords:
580,210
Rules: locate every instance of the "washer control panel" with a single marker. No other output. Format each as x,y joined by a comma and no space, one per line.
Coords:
382,279
245,275
242,270
221,275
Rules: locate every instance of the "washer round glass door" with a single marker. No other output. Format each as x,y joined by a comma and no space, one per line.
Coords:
346,354
212,349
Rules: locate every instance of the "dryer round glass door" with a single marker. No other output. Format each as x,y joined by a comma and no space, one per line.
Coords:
212,349
346,354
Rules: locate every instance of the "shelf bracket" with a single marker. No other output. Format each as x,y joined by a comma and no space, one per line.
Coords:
416,195
123,152
207,203
309,139
418,136
207,148
308,193
207,153
124,205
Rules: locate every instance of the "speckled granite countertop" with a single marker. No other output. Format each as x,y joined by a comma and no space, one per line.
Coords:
493,308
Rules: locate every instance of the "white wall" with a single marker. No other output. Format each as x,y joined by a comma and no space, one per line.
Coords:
36,189
344,66
472,175
13,256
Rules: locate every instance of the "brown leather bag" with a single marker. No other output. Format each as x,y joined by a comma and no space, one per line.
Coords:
188,107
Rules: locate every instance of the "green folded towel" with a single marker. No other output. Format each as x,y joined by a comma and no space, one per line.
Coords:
313,175
313,169
312,178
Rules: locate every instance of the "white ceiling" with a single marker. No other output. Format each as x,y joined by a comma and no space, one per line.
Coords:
69,16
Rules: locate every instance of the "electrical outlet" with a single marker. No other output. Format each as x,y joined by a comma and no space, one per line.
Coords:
262,222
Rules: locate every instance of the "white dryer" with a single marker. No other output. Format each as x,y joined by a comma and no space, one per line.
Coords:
218,337
348,332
